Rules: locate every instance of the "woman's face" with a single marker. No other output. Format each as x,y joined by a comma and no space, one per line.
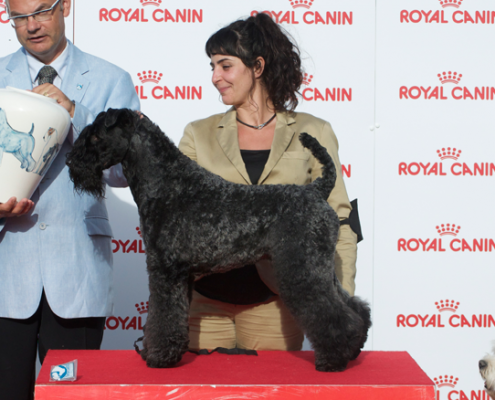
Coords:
232,79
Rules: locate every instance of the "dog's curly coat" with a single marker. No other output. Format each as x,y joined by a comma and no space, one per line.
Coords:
195,222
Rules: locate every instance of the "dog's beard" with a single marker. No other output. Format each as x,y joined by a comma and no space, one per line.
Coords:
87,179
89,182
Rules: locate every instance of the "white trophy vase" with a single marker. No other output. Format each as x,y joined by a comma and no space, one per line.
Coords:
32,131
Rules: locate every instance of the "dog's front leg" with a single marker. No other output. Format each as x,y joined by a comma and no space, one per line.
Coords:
166,337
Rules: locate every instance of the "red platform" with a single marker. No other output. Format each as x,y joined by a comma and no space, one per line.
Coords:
122,375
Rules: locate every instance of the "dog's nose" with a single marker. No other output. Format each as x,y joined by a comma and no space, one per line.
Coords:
482,364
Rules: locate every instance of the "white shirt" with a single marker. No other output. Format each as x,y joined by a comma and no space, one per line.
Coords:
59,64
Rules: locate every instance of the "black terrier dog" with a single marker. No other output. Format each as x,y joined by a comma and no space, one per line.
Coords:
195,222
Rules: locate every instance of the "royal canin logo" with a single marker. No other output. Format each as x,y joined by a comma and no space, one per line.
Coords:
324,94
151,2
440,320
142,308
301,3
440,92
448,229
445,381
449,13
449,153
149,76
307,79
450,3
448,384
438,168
308,17
128,322
145,14
439,244
130,245
161,92
452,77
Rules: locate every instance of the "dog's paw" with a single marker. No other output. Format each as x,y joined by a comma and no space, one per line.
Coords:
330,366
160,360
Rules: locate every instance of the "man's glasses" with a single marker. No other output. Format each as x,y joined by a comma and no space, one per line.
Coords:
40,16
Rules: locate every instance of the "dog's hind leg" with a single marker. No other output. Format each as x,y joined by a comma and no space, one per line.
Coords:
17,154
166,337
362,308
306,285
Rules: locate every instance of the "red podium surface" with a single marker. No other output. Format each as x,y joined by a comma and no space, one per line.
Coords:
281,375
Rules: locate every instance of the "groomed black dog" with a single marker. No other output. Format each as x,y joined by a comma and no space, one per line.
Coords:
195,222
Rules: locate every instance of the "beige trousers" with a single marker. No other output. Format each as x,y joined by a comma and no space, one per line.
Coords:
261,326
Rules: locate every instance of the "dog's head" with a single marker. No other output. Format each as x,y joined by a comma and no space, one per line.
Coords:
487,371
100,145
49,133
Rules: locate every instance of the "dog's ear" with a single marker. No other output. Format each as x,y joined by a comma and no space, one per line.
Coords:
111,117
122,116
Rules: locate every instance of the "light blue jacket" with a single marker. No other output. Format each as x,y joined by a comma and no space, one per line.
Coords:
64,246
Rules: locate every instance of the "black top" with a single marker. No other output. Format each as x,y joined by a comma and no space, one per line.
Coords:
242,285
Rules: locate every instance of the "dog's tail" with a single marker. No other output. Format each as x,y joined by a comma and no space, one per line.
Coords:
326,182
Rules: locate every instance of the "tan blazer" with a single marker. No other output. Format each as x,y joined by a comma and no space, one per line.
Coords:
213,144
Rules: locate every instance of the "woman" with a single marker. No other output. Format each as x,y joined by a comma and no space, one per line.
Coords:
257,70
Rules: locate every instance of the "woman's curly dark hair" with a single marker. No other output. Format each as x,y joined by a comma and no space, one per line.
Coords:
260,36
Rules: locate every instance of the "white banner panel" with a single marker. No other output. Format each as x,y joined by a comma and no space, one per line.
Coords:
409,90
434,187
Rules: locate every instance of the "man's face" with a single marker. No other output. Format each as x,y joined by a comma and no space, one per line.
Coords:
44,40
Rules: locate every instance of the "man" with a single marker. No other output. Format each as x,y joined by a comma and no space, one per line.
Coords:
55,249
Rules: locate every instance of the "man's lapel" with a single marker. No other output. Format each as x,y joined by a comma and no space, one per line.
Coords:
229,142
281,140
76,80
19,76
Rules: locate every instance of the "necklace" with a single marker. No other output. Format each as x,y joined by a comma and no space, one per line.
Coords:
257,126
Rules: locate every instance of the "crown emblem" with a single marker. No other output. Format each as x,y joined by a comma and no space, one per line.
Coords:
142,307
446,380
446,77
149,76
2,4
301,3
447,305
450,3
307,79
151,2
448,229
448,152
139,231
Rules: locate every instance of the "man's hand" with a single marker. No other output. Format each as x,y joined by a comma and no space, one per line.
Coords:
49,90
12,208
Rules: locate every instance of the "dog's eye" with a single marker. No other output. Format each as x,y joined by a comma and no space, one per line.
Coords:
94,139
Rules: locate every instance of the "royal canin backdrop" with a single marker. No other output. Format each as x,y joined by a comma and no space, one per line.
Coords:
409,89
